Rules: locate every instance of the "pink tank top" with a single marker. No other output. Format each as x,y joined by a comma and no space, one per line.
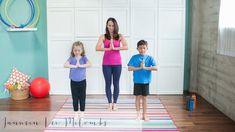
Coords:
112,57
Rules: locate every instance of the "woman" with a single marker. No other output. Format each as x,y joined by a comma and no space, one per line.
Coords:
111,43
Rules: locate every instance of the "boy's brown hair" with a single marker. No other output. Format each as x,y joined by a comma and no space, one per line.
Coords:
142,42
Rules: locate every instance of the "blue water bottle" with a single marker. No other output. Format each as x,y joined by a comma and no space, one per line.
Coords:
187,102
190,105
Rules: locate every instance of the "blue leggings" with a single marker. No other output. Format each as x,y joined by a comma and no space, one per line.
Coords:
112,72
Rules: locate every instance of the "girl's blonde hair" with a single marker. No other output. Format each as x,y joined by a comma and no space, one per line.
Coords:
78,43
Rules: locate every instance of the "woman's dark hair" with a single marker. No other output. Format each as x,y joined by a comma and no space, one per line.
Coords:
115,32
142,42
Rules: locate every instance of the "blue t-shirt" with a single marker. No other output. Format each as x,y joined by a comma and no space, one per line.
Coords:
77,74
142,76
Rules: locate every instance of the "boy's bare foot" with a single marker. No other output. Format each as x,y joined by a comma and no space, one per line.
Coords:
145,118
138,116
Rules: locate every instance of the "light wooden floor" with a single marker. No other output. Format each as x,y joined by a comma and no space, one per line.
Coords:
205,118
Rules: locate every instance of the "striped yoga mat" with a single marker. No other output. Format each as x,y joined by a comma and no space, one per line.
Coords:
98,118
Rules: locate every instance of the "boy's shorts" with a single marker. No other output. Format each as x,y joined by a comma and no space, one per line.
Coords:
141,89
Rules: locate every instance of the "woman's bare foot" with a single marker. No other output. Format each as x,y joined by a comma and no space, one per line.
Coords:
109,107
114,107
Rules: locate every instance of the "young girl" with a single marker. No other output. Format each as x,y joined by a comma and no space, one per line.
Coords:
78,63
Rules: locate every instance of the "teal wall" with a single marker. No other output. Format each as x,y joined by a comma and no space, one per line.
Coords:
187,48
27,51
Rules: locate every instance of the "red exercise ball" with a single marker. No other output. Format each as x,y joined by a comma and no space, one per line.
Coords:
39,87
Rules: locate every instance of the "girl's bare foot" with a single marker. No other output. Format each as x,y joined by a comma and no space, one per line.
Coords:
82,114
76,115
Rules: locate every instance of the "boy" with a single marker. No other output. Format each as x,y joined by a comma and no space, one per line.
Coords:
142,64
